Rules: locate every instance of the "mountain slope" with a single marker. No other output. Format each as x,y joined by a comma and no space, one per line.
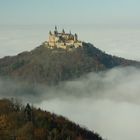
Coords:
28,123
50,66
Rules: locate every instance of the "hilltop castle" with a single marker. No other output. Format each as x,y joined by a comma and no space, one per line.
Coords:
63,40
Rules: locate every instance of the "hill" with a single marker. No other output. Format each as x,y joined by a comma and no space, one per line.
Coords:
50,66
18,122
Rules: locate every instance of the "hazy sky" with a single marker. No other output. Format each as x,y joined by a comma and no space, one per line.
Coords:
69,11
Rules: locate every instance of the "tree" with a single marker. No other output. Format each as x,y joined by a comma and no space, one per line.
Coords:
28,113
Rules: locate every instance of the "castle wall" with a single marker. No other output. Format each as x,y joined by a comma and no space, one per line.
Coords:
63,40
78,44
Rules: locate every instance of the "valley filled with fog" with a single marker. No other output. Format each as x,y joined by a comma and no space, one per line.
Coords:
106,102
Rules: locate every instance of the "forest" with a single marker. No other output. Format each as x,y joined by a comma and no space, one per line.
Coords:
51,66
25,122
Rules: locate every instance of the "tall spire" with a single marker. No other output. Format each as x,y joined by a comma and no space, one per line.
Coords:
63,31
55,31
55,28
50,32
76,37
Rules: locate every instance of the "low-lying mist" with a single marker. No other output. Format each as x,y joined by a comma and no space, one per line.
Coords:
107,102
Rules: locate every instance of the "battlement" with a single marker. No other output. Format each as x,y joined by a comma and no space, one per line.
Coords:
63,40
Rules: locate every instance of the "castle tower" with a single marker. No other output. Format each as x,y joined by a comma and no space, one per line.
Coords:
55,30
63,31
63,39
75,37
50,33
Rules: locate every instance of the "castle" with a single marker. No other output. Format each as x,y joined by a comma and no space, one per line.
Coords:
62,40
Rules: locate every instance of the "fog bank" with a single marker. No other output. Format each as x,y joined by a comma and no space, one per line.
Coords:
108,102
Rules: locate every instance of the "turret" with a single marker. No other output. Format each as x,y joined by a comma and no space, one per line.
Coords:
50,33
55,28
63,31
63,39
75,37
55,31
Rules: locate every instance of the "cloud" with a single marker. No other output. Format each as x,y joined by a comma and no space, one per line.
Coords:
17,38
118,84
106,102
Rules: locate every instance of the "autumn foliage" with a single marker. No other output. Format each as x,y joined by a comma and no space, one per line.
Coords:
18,122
